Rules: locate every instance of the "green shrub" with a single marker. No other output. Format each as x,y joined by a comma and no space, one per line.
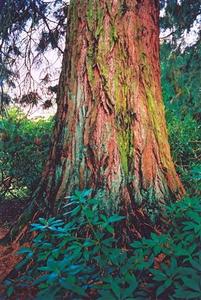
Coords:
180,78
184,138
78,255
24,146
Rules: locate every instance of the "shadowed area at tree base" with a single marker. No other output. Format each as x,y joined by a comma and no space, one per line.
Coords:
8,261
10,212
135,226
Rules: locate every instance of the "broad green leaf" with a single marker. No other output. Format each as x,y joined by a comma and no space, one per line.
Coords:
115,218
161,289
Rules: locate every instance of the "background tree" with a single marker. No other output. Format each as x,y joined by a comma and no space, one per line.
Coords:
29,31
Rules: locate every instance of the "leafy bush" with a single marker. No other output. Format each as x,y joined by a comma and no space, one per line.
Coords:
24,146
181,93
184,137
180,78
78,256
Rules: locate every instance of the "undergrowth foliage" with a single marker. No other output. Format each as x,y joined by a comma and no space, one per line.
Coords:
180,76
184,136
78,256
24,146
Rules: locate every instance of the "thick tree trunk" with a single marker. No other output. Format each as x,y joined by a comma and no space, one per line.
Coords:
110,131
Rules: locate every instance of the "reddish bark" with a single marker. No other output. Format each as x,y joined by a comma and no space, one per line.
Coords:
110,130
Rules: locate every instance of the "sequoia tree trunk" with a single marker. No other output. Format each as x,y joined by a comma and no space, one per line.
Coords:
110,131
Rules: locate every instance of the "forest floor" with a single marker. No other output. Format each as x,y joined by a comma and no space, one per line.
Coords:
9,212
8,259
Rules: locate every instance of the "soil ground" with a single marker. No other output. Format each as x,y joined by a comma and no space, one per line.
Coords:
9,212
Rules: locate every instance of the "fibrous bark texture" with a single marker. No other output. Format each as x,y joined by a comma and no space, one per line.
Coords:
110,131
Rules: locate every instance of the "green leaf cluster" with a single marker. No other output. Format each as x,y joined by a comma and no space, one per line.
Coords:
180,78
78,255
24,145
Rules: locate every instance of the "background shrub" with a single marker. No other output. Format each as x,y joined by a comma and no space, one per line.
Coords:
24,146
